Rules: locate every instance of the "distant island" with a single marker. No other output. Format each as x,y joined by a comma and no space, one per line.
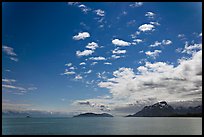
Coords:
93,115
162,109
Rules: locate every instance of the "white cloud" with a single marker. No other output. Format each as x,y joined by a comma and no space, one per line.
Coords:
107,63
72,68
191,49
166,42
155,23
14,59
120,42
156,43
153,54
88,72
117,51
69,73
100,12
150,15
146,27
163,42
8,80
77,77
92,46
81,35
200,34
84,53
136,4
93,63
8,50
137,40
115,56
97,58
82,63
12,87
72,3
68,64
155,82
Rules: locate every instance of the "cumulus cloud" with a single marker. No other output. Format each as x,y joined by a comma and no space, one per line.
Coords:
120,42
200,34
84,53
155,82
150,15
153,54
146,27
166,42
163,42
191,49
92,46
117,51
81,35
97,58
136,4
100,12
156,43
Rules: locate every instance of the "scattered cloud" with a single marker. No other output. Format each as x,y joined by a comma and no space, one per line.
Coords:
68,64
163,42
94,63
84,53
166,42
120,42
69,72
97,58
155,23
8,80
82,63
191,49
81,35
8,50
153,54
117,51
78,77
115,56
100,12
107,63
200,34
136,4
92,46
146,27
88,72
150,15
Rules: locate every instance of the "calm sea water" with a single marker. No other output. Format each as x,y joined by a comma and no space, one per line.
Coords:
102,126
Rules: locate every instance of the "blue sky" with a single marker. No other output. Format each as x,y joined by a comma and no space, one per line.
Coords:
123,48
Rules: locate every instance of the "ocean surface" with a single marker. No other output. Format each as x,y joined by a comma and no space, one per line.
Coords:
102,126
